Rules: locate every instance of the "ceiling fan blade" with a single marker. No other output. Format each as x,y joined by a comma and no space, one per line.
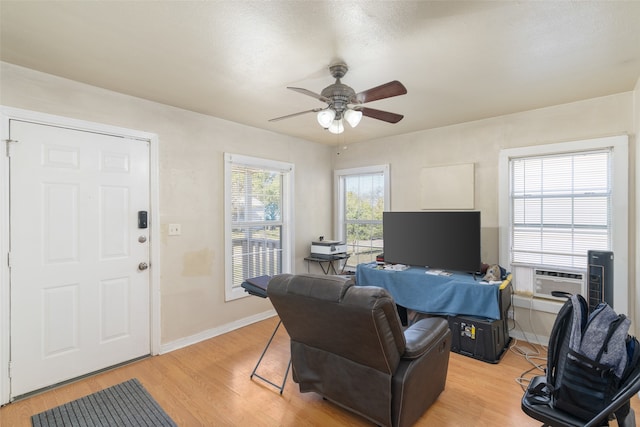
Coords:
309,93
386,90
315,110
381,115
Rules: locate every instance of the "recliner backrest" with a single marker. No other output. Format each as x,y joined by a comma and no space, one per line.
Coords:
331,314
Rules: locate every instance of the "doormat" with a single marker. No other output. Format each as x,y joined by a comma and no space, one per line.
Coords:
127,404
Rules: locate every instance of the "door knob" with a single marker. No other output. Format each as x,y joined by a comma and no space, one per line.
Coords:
143,266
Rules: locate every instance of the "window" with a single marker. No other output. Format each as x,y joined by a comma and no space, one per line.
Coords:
560,207
363,194
257,220
557,201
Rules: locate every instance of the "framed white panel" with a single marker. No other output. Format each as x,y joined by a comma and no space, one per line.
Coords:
60,223
447,187
114,229
115,308
60,157
60,320
114,162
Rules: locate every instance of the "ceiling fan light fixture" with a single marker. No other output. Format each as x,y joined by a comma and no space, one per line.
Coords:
325,117
339,96
353,117
336,127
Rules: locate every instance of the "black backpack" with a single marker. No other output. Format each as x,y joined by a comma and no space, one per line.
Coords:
589,357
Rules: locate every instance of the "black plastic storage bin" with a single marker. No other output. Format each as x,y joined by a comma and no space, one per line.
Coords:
480,338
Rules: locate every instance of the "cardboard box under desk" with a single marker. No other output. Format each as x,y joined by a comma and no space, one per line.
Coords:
483,339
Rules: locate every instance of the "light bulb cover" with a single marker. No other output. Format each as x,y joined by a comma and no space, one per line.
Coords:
353,117
336,127
325,117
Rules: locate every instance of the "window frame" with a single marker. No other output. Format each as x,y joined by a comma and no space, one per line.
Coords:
287,170
619,202
339,182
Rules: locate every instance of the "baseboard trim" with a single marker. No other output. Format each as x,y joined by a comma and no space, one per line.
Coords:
210,333
529,337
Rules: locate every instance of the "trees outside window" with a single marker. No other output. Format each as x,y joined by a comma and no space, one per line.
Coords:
363,195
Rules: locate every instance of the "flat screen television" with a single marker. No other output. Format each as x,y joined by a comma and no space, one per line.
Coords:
439,240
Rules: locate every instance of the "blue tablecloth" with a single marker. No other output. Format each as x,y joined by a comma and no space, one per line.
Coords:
457,294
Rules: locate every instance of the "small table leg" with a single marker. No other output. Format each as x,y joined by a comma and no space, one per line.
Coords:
254,374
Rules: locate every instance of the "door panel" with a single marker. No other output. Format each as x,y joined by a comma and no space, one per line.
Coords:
78,301
60,326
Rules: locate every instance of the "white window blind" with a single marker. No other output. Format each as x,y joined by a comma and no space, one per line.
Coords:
257,203
560,207
256,196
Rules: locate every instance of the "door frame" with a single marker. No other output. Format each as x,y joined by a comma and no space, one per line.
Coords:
10,113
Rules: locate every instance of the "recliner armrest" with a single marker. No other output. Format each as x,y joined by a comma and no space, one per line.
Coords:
421,335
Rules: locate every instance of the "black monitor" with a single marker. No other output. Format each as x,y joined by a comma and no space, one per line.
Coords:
439,240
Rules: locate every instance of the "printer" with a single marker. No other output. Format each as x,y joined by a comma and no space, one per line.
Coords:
328,249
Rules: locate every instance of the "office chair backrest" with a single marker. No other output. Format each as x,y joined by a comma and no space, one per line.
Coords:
588,357
560,337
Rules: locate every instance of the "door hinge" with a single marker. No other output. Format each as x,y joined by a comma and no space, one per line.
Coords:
10,143
10,368
9,259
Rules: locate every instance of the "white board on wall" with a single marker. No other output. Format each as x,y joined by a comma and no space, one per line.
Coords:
447,187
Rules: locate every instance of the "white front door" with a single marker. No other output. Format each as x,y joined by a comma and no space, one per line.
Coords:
80,298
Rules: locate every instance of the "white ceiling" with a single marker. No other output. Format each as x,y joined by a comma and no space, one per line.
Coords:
460,60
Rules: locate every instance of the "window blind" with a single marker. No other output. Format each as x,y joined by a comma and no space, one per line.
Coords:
560,207
256,222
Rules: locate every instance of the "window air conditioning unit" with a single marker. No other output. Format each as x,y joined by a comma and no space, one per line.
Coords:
546,281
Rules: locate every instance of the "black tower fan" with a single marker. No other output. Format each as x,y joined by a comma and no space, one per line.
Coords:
600,286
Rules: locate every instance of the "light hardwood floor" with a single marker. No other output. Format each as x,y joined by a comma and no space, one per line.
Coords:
207,384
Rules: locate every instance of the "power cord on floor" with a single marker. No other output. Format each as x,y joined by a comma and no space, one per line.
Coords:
532,353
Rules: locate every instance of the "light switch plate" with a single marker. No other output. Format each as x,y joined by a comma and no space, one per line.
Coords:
175,229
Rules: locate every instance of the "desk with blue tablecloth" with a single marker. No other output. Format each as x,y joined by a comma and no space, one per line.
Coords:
455,294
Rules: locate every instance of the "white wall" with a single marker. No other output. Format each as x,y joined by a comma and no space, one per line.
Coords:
191,148
191,189
635,230
479,142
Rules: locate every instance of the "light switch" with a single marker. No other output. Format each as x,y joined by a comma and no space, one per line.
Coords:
175,230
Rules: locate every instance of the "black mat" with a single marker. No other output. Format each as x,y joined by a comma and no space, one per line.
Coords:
124,405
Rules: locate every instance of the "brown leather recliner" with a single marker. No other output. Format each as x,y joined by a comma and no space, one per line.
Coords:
347,344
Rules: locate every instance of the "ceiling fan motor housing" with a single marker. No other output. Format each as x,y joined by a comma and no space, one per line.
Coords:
338,70
339,95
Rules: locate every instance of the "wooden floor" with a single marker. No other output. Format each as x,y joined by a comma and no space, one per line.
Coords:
207,384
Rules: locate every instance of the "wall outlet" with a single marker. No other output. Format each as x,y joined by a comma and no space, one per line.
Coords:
510,314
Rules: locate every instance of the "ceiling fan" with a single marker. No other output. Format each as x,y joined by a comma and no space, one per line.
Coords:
343,102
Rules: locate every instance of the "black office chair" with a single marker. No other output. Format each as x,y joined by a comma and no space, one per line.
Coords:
541,408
